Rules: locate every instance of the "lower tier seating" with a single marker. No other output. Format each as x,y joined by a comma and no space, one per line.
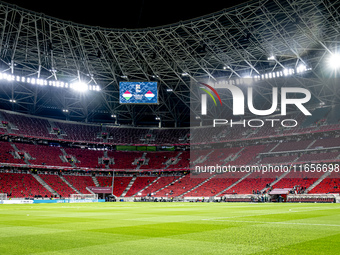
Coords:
188,185
21,185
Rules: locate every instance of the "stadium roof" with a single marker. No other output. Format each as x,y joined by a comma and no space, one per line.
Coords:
126,14
253,39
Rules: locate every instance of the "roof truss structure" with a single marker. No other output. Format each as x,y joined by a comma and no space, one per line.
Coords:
232,43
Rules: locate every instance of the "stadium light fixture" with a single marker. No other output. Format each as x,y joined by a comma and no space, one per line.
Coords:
334,61
301,68
80,86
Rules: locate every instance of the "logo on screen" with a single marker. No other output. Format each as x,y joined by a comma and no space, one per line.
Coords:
149,95
127,95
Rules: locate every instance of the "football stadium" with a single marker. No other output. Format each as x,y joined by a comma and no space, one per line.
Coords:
216,134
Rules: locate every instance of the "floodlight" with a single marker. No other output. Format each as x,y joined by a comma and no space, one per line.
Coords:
301,68
79,86
334,61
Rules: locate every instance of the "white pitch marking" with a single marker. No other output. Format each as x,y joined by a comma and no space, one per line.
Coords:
283,223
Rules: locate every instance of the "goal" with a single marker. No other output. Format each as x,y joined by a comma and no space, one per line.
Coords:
3,196
83,198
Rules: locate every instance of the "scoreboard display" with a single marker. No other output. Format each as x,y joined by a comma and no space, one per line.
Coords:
138,93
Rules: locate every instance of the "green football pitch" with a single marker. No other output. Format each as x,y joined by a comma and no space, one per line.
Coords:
170,228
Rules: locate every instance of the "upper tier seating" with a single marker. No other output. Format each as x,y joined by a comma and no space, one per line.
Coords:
6,156
86,158
157,159
126,135
25,125
326,143
124,159
79,132
42,154
293,145
316,157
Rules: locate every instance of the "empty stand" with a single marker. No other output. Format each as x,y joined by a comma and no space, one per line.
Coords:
57,184
80,182
139,184
120,183
159,184
330,184
21,185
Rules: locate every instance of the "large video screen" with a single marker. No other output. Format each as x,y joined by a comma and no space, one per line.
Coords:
138,93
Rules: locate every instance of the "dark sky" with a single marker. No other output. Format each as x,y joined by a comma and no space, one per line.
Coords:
125,13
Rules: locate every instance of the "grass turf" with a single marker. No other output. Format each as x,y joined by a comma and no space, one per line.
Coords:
170,228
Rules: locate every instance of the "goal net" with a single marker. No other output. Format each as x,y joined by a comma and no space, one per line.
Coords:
83,198
3,196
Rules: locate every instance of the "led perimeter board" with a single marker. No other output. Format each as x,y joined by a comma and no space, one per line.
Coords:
138,93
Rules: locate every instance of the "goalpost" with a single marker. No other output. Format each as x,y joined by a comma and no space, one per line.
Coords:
3,196
83,198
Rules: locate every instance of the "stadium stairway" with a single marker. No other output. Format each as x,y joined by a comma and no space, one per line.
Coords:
15,147
129,186
272,149
16,154
147,186
43,183
202,158
317,182
311,144
232,185
276,181
52,126
236,155
143,157
95,181
169,162
171,183
206,180
65,155
69,184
